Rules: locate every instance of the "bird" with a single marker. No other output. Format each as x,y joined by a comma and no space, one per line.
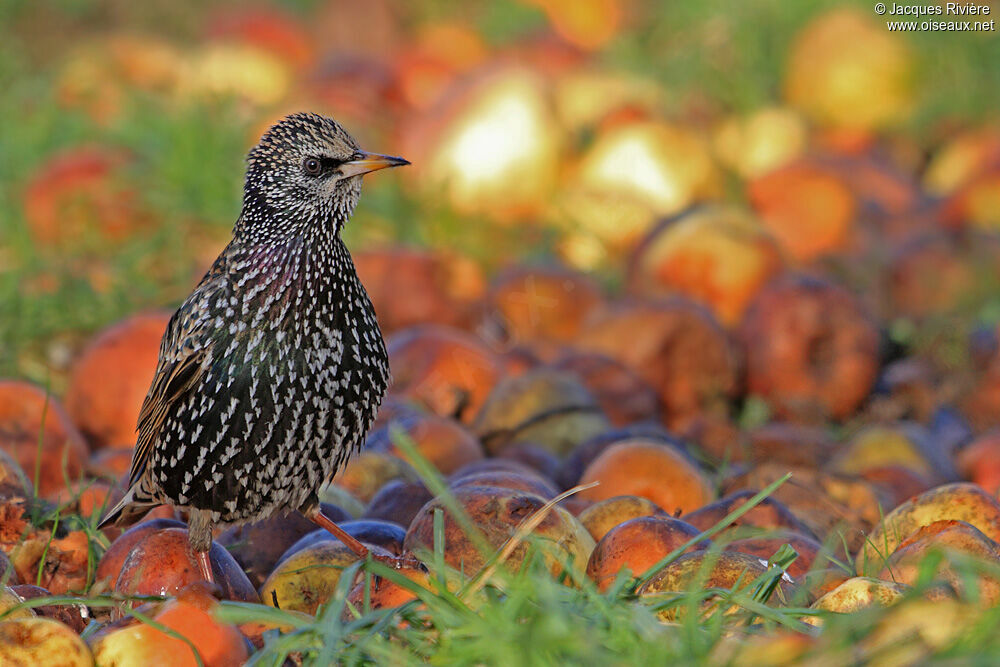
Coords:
272,370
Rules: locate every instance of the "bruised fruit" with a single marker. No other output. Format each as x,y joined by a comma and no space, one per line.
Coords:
257,546
717,256
856,594
382,593
979,461
637,544
110,379
446,370
539,459
905,444
542,406
864,87
386,535
623,396
10,604
14,483
605,514
42,641
811,553
906,564
162,563
547,305
960,501
40,437
507,480
703,569
189,615
398,501
497,513
444,442
367,472
110,565
308,578
676,347
808,209
78,192
654,471
76,616
769,513
811,349
409,286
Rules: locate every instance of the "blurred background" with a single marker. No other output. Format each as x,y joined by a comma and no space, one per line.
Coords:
692,148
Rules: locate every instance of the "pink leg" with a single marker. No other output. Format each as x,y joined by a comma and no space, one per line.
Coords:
205,565
323,521
395,562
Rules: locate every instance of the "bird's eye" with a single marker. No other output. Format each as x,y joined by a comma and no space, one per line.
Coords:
312,166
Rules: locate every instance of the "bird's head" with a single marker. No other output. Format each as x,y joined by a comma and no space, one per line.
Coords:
306,170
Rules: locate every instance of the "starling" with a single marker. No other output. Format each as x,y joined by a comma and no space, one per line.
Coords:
272,370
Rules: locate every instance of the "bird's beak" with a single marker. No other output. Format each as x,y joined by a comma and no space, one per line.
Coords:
366,162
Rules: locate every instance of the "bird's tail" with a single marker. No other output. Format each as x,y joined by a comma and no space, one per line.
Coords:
129,509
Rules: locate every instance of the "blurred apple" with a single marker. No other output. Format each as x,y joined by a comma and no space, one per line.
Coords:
651,470
162,562
632,174
637,544
906,444
624,397
189,615
676,347
960,501
812,350
856,594
770,513
277,32
760,142
546,407
701,570
444,442
413,286
588,24
232,69
81,195
368,471
961,160
37,433
584,97
907,564
806,208
605,514
14,484
440,52
845,70
979,461
447,370
111,377
498,513
540,304
719,257
491,147
42,641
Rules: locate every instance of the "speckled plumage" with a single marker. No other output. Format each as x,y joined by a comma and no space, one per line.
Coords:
272,370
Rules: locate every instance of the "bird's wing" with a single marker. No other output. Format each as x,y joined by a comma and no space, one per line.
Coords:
186,345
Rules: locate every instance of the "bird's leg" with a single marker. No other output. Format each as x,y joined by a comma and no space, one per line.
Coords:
323,521
200,538
395,562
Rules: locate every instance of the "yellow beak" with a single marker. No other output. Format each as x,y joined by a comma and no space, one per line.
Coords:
368,162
